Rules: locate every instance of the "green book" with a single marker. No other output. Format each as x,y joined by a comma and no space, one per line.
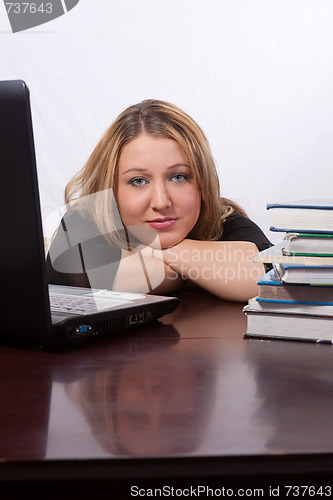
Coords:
312,244
280,254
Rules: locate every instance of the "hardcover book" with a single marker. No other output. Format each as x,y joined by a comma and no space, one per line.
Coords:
295,299
302,216
280,254
272,290
309,244
291,308
310,325
311,275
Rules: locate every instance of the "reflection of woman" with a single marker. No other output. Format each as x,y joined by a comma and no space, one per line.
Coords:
157,403
157,162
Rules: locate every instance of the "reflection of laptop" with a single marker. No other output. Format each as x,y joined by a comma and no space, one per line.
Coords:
25,294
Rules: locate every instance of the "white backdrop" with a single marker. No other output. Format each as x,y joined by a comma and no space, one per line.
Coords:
257,75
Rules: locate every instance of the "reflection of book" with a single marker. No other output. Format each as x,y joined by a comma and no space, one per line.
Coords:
271,289
278,254
312,244
302,216
314,323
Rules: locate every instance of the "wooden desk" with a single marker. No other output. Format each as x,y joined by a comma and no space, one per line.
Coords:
186,399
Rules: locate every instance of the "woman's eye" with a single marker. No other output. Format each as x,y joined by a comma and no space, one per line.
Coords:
179,177
138,181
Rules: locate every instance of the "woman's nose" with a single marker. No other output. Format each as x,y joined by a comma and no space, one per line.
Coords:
160,197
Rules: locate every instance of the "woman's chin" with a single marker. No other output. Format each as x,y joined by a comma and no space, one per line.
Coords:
163,241
165,244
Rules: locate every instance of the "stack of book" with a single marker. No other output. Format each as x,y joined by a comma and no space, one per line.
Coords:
295,299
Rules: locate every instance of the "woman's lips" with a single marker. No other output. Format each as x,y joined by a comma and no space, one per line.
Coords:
161,223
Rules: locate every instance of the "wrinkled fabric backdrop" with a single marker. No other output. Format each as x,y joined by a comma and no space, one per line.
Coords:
257,75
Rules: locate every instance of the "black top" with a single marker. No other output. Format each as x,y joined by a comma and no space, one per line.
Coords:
80,256
236,227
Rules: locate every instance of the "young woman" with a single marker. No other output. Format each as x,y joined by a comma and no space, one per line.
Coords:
145,213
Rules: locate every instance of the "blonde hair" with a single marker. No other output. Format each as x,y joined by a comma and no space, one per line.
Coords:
156,118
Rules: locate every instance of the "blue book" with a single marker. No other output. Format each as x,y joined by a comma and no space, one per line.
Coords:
312,216
270,279
272,289
304,275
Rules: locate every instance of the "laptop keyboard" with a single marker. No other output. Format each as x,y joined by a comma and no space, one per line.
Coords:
74,304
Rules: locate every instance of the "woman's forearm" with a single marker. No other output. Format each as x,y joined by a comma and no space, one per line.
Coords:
224,268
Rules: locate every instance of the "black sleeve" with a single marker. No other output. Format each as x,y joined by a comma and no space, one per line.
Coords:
80,256
236,227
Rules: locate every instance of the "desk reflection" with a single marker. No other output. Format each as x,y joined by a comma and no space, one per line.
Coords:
202,315
24,409
155,399
295,384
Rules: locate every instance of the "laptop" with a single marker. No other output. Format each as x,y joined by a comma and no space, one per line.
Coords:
27,314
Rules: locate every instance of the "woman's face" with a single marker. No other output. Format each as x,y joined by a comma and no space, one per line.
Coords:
156,189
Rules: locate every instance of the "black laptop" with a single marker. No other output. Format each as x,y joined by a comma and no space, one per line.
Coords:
26,298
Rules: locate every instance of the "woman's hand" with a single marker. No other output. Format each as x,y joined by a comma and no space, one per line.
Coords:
143,272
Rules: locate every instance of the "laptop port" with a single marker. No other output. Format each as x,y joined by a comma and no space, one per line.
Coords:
83,329
133,319
141,317
137,318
